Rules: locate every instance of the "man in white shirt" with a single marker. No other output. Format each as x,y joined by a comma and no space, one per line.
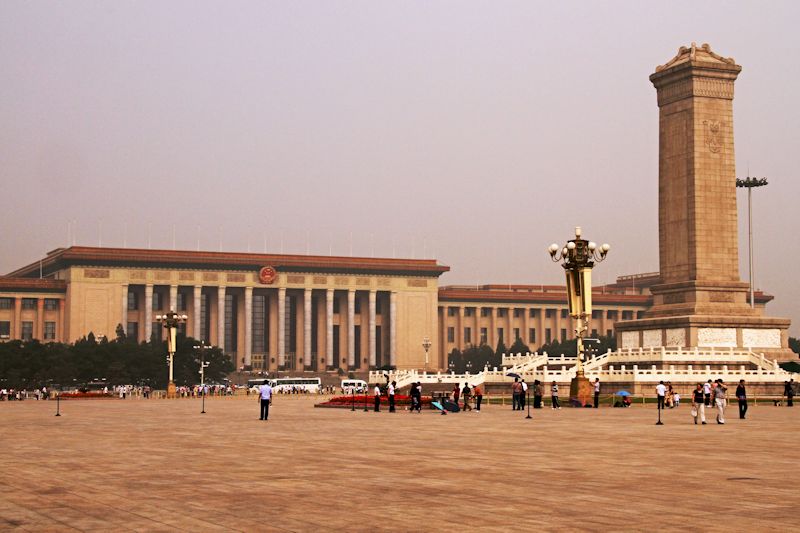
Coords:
523,395
596,393
661,391
390,392
265,397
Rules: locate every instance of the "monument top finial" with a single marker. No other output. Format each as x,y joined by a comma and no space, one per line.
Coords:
694,53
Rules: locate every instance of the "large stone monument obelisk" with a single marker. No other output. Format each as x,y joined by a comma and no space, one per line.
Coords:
701,300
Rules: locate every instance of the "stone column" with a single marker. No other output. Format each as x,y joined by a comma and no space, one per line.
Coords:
39,319
307,328
329,327
248,325
281,327
173,298
17,333
351,328
124,308
62,323
221,318
148,312
393,329
460,329
372,353
196,311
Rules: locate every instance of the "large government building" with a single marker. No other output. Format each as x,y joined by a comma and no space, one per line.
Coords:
295,312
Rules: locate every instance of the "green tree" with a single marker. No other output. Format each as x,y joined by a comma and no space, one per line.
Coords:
794,345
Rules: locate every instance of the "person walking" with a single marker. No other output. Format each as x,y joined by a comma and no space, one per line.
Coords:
377,393
390,393
523,394
596,393
789,392
465,394
515,390
720,397
538,392
554,396
741,395
478,397
456,393
265,399
661,392
707,393
698,404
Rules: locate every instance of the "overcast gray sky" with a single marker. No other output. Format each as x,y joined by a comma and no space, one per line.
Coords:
475,132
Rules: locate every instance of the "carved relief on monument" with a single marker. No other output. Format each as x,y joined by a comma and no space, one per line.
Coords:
651,338
713,141
716,337
721,297
676,337
630,339
761,338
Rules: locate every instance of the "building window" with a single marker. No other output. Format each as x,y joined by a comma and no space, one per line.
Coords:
231,325
532,313
157,301
563,334
485,311
531,335
133,301
548,313
484,336
181,302
132,331
609,332
6,303
502,312
50,304
468,335
357,307
594,333
564,313
5,329
469,311
597,314
335,305
612,315
451,311
517,312
548,335
158,333
516,334
627,315
49,331
29,303
499,335
451,334
639,314
27,331
259,323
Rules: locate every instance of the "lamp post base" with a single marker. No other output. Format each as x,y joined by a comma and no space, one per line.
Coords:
171,390
581,391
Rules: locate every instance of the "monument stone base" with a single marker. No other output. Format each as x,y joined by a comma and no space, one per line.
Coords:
581,391
766,335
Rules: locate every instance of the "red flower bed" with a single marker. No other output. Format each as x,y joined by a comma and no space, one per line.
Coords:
360,399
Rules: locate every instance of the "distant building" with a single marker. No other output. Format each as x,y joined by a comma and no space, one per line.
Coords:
295,312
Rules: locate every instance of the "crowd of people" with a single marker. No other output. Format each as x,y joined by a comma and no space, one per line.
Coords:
10,395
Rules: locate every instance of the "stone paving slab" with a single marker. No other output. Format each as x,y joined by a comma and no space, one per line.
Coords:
160,465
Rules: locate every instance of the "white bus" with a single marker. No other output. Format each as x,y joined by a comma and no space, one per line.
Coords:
288,385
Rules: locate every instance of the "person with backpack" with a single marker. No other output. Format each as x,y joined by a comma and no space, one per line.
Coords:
465,393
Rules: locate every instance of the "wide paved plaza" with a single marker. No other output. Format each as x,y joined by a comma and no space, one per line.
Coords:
161,465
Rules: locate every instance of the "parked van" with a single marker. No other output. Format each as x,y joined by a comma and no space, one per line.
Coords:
351,386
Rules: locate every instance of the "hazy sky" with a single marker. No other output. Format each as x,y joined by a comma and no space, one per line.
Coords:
475,132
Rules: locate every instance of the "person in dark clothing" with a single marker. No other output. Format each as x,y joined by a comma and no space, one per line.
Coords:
391,392
788,391
465,393
456,394
538,392
478,397
596,393
377,393
741,395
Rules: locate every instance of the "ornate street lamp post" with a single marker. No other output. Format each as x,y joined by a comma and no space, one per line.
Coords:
426,345
577,257
202,347
749,184
170,322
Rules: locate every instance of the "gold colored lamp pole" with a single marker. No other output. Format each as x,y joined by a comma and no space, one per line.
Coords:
578,257
170,322
426,345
